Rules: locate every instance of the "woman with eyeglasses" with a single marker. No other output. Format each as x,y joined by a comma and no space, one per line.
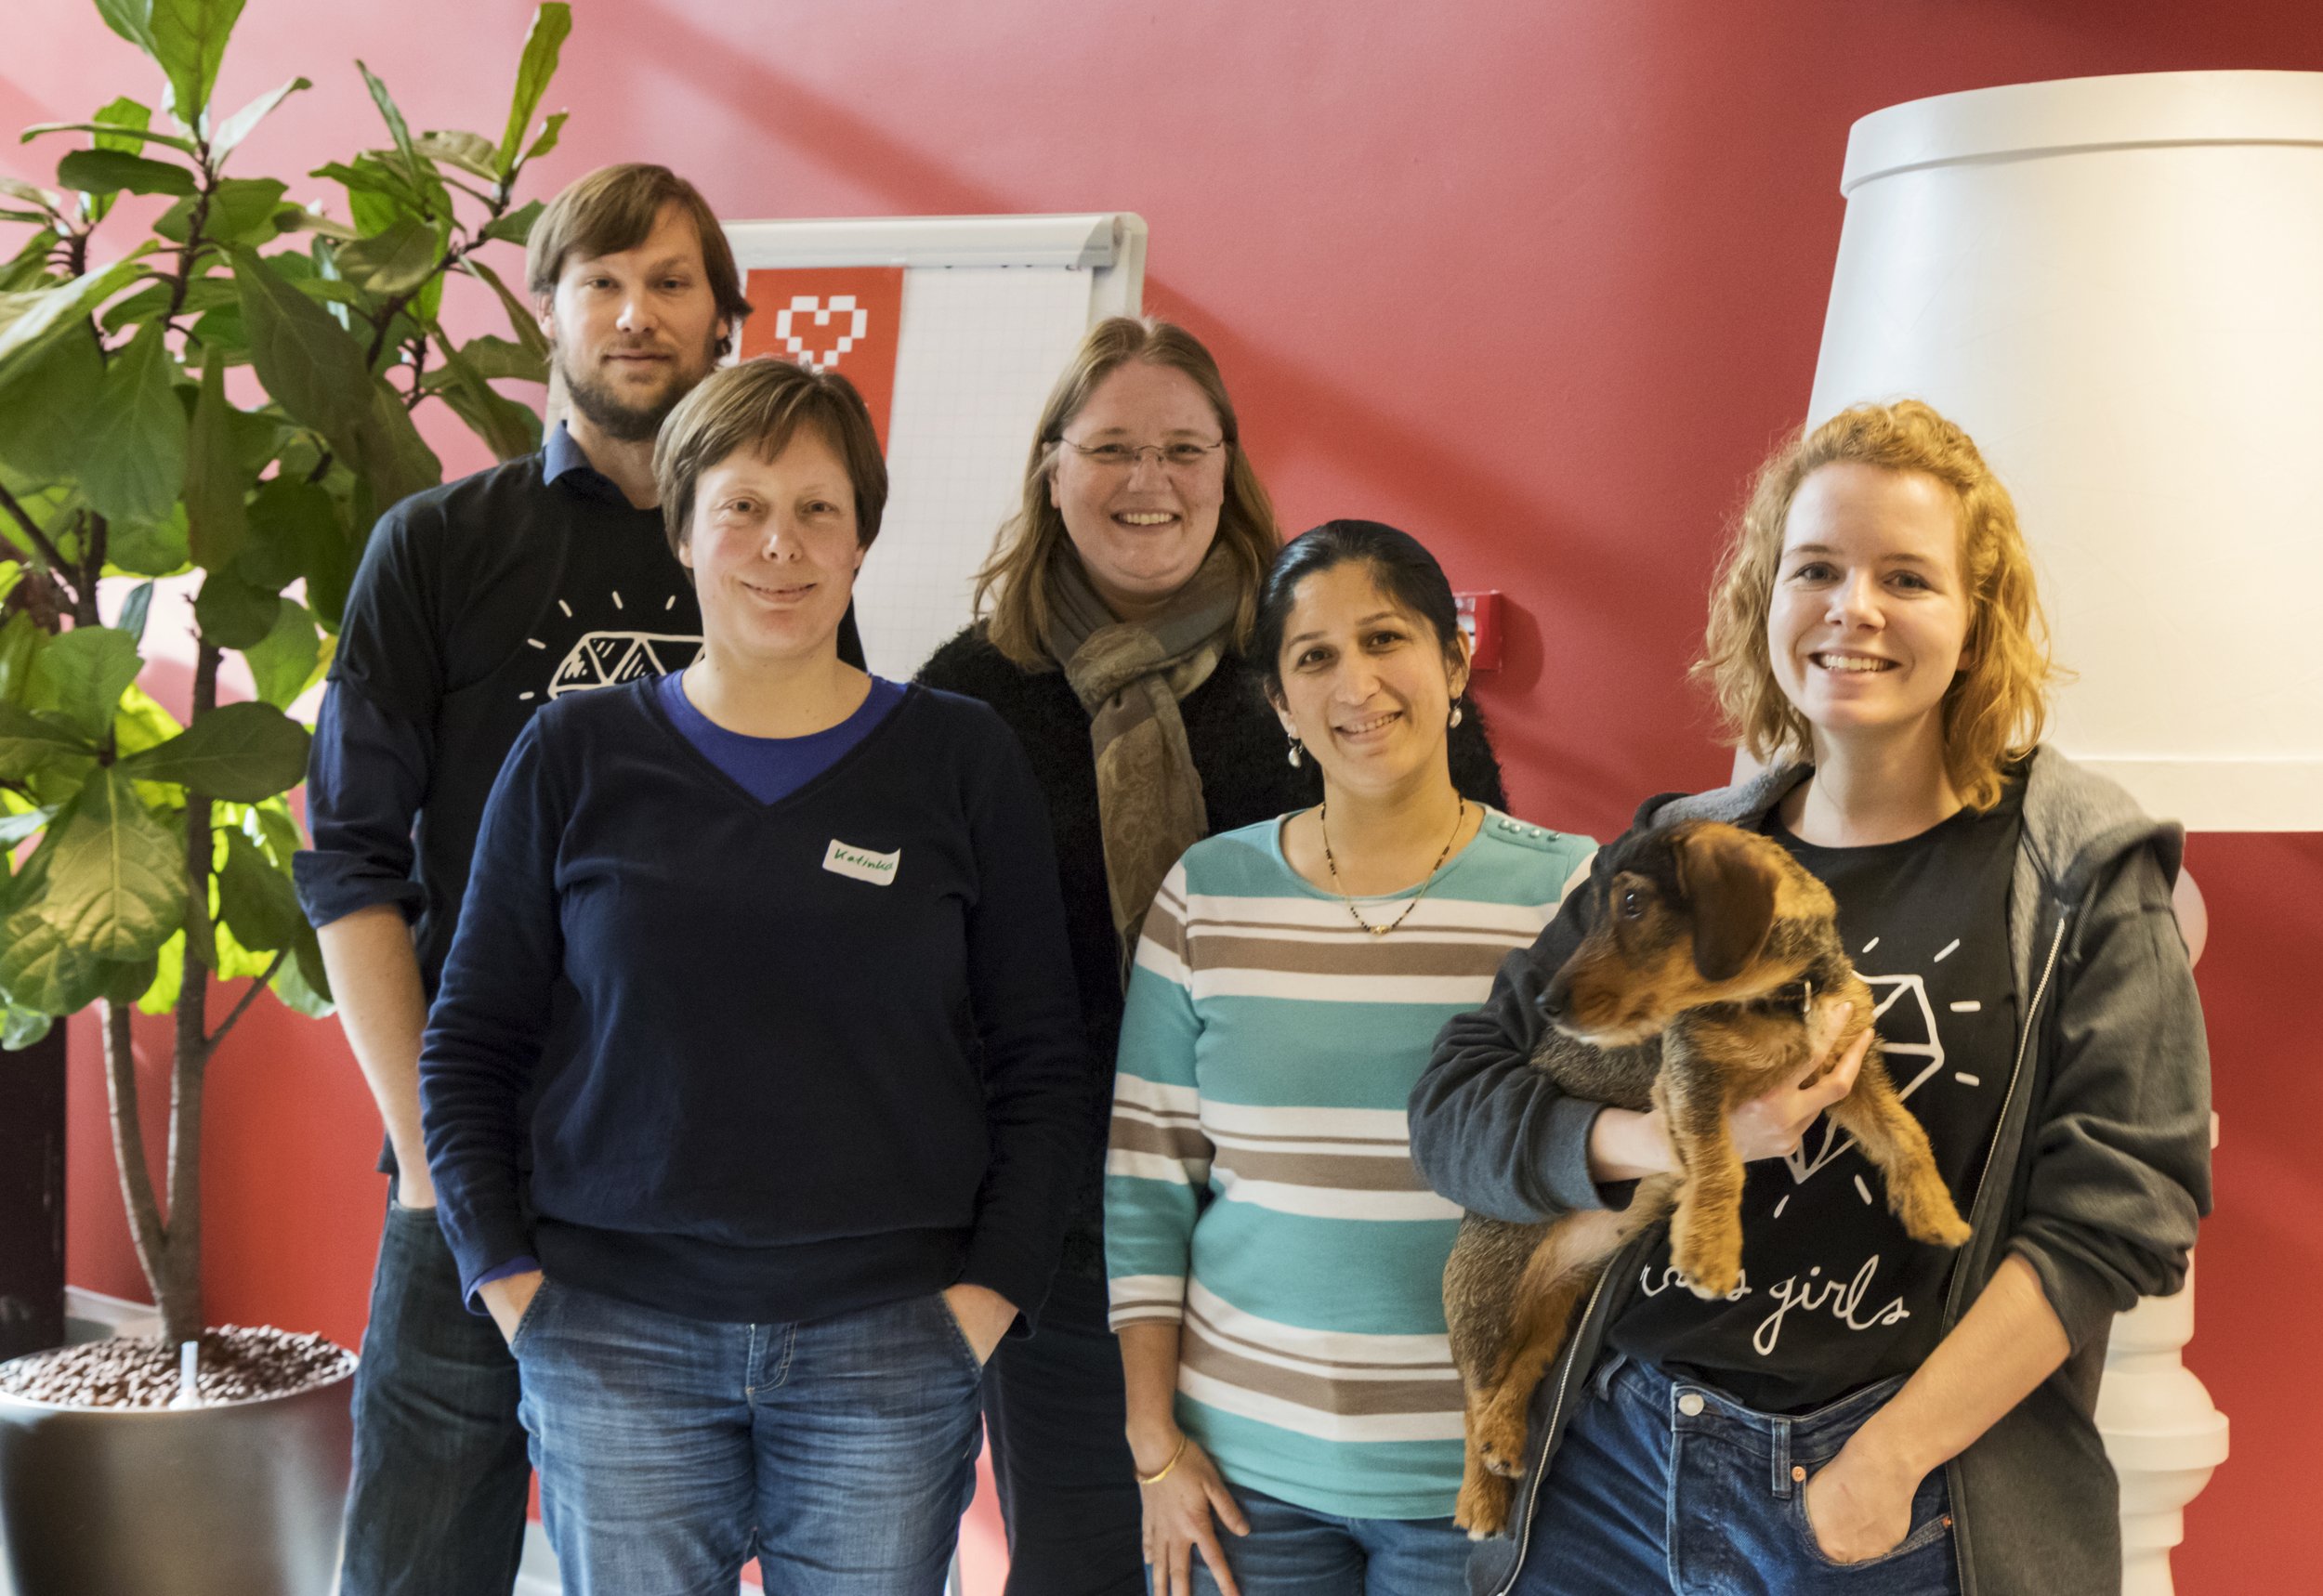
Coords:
1116,615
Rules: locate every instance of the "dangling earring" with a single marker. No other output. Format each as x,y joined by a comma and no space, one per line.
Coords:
1295,751
1455,715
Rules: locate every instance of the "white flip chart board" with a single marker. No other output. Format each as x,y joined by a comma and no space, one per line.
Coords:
991,309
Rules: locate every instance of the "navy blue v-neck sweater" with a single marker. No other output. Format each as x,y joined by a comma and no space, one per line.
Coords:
765,1062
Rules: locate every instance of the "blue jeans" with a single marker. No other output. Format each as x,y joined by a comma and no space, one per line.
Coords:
1056,1418
437,1504
1292,1550
1663,1485
840,1453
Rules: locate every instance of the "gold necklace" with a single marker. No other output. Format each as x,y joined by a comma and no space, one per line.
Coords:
1322,823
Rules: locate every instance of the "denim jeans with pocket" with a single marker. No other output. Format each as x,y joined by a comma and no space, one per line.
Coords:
840,1452
437,1504
1292,1550
1671,1486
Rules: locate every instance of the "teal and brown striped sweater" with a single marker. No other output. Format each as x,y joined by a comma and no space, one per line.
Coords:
1260,1191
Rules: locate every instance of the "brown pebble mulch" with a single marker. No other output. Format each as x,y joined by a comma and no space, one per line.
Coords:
238,1364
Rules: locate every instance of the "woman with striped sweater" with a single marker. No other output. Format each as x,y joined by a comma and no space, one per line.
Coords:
1276,1261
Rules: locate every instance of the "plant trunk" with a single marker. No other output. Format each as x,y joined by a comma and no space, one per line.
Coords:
175,1271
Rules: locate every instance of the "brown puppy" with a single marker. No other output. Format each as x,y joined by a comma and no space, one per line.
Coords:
1712,951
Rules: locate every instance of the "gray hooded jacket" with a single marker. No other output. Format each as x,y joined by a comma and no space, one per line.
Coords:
2095,1176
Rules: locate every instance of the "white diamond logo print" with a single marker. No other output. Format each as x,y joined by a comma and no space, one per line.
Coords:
609,658
790,326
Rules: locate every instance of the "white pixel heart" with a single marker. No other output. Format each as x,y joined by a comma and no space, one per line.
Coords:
797,344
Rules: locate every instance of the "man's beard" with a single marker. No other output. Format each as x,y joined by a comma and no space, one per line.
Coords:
627,422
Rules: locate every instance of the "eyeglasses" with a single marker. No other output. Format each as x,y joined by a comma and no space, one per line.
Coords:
1183,456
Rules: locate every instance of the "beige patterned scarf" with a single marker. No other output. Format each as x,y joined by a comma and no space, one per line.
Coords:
1130,678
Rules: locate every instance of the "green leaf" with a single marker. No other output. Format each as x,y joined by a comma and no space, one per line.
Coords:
133,611
395,261
286,662
108,130
515,228
108,171
492,357
523,320
19,1028
150,548
190,41
21,640
133,452
79,676
257,899
550,128
388,449
242,211
303,983
312,221
28,317
214,520
46,399
294,527
231,613
125,123
116,886
308,364
41,970
397,129
534,68
237,127
40,198
508,429
131,19
28,742
243,752
124,984
471,153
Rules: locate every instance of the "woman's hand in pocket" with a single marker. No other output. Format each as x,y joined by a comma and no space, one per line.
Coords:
507,1298
1858,1507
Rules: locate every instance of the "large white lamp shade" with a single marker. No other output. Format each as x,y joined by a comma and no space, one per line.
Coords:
2116,285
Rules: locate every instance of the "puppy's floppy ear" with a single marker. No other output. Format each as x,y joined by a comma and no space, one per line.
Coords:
1730,897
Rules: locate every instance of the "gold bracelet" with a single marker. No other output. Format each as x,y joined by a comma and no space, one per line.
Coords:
1157,1479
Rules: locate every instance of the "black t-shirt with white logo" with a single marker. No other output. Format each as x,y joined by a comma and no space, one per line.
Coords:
1835,1294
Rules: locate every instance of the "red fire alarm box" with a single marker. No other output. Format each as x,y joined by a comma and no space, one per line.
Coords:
1480,619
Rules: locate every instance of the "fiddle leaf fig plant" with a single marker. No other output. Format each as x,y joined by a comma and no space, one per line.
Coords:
225,396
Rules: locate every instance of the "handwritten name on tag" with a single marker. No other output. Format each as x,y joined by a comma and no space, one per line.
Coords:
840,858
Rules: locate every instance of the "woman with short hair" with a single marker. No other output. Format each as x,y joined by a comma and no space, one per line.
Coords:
1866,1412
754,1084
1118,606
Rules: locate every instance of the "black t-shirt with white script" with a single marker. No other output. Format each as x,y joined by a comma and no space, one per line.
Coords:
1835,1294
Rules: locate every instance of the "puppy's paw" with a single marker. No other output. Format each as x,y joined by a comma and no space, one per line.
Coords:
1482,1509
1500,1445
1709,1272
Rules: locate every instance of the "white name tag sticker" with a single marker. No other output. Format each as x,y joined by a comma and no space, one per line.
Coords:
842,859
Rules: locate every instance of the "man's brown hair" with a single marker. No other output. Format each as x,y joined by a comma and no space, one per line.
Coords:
614,208
760,405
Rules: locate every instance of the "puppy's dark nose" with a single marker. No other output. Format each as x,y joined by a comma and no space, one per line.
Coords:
1554,998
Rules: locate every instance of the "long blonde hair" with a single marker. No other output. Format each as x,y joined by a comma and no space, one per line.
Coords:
1013,586
1994,710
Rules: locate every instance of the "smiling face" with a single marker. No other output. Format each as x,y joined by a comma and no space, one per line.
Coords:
1870,616
1367,685
772,545
1141,530
632,332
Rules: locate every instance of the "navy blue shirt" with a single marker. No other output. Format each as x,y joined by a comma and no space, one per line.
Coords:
765,1061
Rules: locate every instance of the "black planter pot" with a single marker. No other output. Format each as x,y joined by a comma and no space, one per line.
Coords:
236,1499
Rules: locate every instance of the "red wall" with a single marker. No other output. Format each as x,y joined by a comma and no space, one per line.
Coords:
1537,281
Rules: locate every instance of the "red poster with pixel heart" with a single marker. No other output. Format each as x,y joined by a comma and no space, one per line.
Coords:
836,319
